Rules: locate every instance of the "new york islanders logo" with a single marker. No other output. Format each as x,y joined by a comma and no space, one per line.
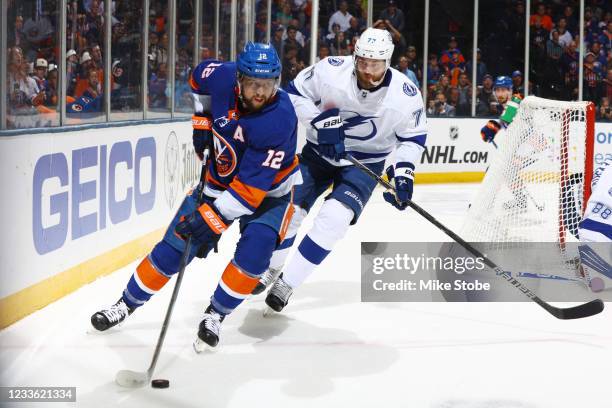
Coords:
225,156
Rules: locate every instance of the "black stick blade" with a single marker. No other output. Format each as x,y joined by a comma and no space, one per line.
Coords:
577,312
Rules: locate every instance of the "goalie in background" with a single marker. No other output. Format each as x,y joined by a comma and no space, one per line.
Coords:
595,230
508,105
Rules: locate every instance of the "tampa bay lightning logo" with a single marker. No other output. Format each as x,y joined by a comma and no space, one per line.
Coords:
336,62
409,89
358,127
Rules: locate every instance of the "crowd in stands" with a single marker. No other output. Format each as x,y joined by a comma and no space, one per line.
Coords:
33,53
554,60
32,63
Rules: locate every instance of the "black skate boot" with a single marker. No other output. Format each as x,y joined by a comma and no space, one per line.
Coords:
208,331
107,318
266,279
279,295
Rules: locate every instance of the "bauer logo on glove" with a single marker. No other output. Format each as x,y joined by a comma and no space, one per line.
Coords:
402,176
206,224
202,133
330,134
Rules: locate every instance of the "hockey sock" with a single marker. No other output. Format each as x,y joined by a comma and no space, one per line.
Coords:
329,227
234,287
151,274
241,275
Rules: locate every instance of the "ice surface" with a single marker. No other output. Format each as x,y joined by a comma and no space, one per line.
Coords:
327,349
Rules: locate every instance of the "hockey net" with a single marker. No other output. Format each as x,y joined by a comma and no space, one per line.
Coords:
538,183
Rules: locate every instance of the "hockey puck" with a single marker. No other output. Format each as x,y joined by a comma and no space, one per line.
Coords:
160,383
372,248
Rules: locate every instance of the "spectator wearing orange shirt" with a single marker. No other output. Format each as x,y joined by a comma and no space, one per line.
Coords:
453,61
94,88
544,18
87,65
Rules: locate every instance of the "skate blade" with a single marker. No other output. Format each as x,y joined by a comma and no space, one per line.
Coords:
200,346
93,331
268,311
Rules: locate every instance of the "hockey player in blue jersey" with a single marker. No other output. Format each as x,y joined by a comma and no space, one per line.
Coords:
251,127
355,105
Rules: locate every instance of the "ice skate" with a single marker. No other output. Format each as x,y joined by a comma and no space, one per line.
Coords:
107,318
266,279
278,296
208,331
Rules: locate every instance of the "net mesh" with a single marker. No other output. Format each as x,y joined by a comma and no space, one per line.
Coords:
533,190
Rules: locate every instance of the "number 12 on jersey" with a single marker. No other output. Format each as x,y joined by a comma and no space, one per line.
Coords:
274,159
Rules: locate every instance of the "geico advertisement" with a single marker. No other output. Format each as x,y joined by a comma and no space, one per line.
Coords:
76,195
113,181
603,142
455,145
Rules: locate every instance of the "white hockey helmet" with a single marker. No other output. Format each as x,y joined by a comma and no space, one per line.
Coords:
375,43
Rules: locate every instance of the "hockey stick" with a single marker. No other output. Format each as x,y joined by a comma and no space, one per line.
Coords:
576,312
135,379
527,193
538,207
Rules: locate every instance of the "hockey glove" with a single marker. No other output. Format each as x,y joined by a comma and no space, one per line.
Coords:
403,178
205,225
330,134
202,132
489,131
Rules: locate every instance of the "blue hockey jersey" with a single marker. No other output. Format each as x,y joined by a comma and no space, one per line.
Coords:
254,153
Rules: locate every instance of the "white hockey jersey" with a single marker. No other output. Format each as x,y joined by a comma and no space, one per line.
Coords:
596,225
375,122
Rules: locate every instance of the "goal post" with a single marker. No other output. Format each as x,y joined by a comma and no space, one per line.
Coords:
539,179
570,140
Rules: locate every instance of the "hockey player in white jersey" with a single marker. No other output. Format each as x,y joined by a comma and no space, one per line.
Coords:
355,105
596,225
596,229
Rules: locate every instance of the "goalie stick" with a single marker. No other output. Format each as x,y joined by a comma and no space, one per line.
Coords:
528,163
135,379
576,312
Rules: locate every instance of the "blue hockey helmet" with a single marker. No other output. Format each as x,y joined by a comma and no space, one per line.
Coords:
259,60
503,82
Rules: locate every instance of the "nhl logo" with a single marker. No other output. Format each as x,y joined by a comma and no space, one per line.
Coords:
453,132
